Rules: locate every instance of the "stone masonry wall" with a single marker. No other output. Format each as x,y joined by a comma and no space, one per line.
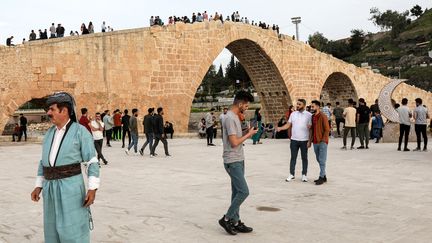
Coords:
163,66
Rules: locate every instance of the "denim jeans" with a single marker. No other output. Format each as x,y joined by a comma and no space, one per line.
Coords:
295,146
321,156
134,143
149,141
239,187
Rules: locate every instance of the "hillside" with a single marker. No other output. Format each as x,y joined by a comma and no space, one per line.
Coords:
409,51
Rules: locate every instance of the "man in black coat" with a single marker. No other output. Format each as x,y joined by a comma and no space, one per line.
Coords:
125,125
148,124
158,130
23,127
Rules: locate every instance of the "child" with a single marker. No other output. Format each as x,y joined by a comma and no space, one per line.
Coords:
377,125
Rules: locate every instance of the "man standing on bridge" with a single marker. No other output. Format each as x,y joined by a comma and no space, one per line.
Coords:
66,145
233,156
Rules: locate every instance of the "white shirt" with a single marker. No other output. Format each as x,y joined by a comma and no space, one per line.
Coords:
222,117
97,135
301,121
58,136
93,182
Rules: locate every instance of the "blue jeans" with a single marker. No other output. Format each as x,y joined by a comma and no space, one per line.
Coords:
134,143
295,146
321,156
239,187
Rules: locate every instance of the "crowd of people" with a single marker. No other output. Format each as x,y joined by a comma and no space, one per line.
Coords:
59,31
119,125
308,125
204,16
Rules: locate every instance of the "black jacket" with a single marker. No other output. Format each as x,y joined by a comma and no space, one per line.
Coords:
158,127
148,124
125,122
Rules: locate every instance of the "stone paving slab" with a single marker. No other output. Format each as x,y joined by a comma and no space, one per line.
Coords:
378,195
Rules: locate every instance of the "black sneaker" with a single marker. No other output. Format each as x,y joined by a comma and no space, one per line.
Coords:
105,162
141,152
227,225
406,149
361,147
242,228
320,181
399,149
324,179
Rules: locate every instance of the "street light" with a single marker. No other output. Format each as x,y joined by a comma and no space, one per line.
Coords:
296,21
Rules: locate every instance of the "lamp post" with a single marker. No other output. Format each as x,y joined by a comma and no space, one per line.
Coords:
296,21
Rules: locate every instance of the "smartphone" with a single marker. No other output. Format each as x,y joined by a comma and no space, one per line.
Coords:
254,124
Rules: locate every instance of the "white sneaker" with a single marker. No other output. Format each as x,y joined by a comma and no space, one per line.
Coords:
127,152
304,178
290,177
151,156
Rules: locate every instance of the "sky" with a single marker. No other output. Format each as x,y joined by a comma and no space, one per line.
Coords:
334,18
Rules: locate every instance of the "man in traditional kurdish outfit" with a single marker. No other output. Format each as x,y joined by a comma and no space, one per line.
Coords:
66,145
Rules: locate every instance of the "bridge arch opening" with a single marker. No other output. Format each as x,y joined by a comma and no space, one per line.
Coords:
261,77
33,111
338,87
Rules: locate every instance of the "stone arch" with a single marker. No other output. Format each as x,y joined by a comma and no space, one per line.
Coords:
338,87
14,104
265,76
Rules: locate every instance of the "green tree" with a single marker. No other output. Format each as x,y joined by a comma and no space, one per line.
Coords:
338,49
390,20
357,39
317,41
416,11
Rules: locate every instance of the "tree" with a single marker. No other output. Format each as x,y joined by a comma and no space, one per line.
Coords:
317,41
390,20
338,49
416,11
220,72
357,39
235,71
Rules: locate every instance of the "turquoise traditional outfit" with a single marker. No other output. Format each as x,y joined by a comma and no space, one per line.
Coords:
66,220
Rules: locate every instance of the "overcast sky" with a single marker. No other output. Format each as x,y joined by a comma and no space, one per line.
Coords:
334,18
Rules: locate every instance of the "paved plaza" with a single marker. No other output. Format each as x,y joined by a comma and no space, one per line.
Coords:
378,195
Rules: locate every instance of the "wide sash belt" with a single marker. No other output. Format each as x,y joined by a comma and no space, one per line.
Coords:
61,172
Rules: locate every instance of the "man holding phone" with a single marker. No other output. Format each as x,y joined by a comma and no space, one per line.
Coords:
233,156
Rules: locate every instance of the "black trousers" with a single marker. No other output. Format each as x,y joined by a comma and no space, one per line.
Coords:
209,132
338,122
420,131
108,134
404,130
162,138
23,130
353,135
126,131
117,133
98,146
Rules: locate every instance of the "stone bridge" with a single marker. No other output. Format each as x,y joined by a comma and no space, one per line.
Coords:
164,66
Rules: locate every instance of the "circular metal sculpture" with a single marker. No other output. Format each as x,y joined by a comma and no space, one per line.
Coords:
385,101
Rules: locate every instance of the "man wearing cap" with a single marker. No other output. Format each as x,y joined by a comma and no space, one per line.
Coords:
66,145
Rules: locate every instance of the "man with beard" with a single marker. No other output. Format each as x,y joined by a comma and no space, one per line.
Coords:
233,156
300,121
319,137
67,216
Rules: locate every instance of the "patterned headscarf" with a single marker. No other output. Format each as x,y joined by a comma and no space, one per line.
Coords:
63,97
